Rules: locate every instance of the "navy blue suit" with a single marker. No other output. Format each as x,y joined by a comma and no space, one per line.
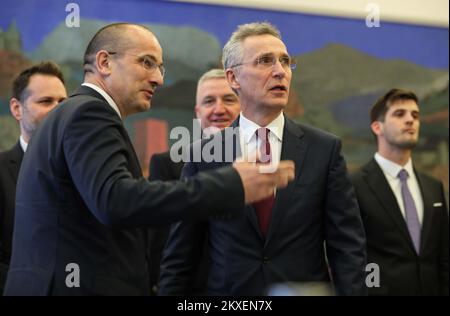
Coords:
81,199
315,212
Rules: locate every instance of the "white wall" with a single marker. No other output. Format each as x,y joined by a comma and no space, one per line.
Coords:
422,12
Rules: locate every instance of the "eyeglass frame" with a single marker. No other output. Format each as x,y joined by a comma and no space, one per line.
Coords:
154,65
292,62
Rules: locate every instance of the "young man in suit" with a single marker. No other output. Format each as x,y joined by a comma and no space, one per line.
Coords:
36,91
403,211
286,237
82,205
216,107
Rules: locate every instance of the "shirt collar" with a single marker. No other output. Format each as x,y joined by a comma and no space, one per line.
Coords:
391,168
248,128
23,143
104,95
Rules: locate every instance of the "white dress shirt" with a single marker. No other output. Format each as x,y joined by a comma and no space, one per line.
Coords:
249,143
104,95
23,143
391,170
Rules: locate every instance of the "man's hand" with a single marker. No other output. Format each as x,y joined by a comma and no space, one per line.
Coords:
260,181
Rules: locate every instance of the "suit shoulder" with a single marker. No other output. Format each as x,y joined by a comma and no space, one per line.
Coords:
316,133
6,155
428,180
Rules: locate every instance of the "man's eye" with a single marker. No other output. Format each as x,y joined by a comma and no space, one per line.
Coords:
266,60
230,100
148,63
285,61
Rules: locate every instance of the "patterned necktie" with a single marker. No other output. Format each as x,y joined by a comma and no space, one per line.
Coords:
263,208
412,218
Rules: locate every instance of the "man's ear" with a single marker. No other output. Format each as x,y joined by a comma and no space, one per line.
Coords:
232,79
103,62
377,127
16,108
196,110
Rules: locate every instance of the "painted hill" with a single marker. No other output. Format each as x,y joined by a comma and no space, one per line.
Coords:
340,78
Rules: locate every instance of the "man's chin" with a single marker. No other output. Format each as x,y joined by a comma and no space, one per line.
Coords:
220,125
408,144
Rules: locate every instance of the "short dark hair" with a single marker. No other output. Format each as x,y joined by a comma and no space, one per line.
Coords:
379,109
23,79
109,38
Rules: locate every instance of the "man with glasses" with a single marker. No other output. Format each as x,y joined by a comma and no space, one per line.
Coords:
308,233
82,205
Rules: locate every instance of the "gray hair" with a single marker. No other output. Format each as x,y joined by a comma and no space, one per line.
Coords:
212,74
232,51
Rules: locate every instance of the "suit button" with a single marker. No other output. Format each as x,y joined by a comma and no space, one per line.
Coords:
266,260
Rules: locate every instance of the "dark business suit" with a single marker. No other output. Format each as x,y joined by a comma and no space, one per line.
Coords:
402,271
9,169
164,169
319,206
81,199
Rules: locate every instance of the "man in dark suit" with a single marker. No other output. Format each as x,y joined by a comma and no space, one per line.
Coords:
289,236
216,107
36,91
82,205
404,211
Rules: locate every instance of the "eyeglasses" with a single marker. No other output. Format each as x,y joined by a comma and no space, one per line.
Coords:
148,62
268,61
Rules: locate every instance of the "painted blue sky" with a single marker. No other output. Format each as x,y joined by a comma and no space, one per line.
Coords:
427,46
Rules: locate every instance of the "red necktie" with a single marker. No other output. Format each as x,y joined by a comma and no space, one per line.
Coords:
263,208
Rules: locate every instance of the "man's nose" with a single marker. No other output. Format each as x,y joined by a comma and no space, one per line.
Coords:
409,118
278,70
157,79
219,107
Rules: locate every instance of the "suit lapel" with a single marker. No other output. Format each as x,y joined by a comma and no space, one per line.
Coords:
15,161
381,189
294,148
234,139
428,211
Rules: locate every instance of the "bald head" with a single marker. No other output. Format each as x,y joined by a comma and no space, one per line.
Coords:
112,37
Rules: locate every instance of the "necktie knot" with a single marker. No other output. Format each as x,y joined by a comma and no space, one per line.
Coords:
403,175
265,155
263,134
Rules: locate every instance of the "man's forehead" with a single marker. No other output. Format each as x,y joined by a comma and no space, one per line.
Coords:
264,44
145,43
43,85
214,84
408,105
